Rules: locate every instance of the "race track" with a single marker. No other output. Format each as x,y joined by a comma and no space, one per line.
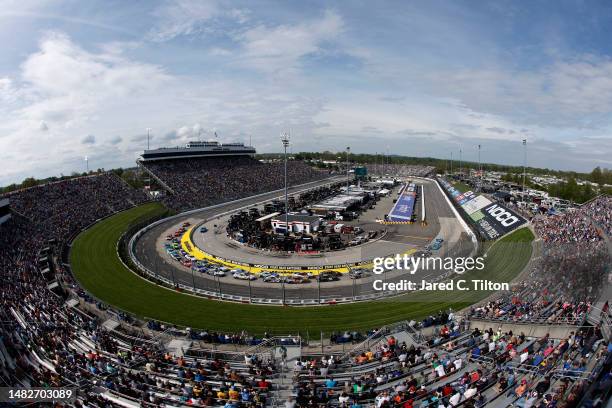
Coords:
398,239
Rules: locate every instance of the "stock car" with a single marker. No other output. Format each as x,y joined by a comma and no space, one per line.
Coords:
307,275
329,276
297,279
243,275
215,272
357,273
200,268
273,278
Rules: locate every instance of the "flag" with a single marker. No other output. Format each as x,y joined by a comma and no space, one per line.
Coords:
216,135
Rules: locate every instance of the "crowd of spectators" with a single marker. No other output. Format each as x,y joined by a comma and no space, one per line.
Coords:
63,207
600,211
200,182
568,278
46,341
402,170
456,367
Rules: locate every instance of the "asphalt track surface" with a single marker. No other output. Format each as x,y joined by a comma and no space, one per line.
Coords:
441,222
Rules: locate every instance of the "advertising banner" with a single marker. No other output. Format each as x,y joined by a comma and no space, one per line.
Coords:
476,204
491,219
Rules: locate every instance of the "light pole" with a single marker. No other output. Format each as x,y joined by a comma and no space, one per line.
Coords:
524,165
451,164
148,138
285,141
193,278
388,161
376,163
173,279
87,164
479,170
460,164
283,287
348,151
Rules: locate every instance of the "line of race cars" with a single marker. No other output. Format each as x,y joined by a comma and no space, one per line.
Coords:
176,252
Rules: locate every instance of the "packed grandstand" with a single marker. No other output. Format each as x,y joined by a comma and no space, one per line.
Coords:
199,182
54,334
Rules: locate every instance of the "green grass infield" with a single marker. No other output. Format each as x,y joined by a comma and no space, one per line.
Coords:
99,270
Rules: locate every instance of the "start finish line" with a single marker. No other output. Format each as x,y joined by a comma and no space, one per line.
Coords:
404,206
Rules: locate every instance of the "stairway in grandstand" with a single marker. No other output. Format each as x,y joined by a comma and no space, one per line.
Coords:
283,384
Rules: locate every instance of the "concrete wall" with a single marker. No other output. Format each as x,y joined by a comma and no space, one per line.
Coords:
530,330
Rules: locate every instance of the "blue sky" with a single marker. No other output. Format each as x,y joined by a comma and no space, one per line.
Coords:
416,78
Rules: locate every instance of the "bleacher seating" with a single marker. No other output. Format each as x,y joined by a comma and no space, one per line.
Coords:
200,182
46,341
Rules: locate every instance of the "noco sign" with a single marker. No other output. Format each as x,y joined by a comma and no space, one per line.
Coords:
496,220
492,219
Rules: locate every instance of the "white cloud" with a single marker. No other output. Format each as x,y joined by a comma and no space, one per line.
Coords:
176,18
88,140
63,92
279,48
116,140
182,17
575,93
77,92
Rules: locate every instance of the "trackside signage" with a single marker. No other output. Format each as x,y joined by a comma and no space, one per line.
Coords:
492,219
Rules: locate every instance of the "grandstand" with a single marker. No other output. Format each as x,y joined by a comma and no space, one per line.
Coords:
5,210
199,177
55,334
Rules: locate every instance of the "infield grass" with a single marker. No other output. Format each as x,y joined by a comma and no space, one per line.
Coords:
99,270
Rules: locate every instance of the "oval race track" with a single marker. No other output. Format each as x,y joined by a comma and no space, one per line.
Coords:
441,222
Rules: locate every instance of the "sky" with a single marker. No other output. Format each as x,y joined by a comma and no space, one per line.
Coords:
87,79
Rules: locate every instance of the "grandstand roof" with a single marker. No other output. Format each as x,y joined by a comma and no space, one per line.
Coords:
197,149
